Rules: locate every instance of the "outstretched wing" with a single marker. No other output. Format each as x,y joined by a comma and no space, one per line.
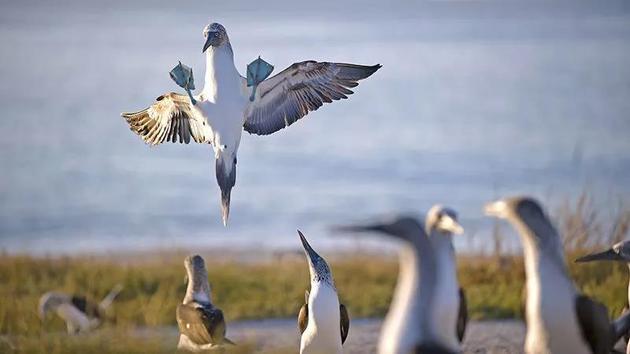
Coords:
462,318
594,324
345,322
171,118
303,87
202,325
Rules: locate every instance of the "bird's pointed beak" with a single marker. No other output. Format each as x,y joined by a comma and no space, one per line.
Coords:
496,208
608,255
212,40
378,227
310,252
448,223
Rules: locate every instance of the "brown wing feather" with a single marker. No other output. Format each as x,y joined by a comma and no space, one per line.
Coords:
594,324
303,87
303,318
171,118
462,319
202,325
345,322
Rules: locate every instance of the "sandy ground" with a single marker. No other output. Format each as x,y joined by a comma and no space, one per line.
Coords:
481,337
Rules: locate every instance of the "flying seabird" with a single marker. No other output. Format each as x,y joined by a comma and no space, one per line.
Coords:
558,318
409,325
619,252
80,314
223,109
450,311
201,324
324,322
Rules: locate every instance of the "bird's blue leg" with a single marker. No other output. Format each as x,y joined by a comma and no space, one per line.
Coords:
192,100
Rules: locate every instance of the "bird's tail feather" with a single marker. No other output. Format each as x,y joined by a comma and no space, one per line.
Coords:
226,178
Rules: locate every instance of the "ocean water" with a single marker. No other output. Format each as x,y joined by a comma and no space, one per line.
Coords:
475,100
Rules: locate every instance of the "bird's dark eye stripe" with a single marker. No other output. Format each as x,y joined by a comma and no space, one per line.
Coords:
160,98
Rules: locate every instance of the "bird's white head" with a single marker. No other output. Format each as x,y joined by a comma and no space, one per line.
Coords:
49,302
215,35
443,220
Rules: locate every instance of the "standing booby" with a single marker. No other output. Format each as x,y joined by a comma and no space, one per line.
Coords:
223,109
408,326
619,252
450,312
322,316
559,319
201,324
79,313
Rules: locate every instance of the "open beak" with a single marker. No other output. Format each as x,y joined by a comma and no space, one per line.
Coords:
609,255
449,224
211,41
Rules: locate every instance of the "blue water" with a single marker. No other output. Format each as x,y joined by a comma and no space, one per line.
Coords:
475,100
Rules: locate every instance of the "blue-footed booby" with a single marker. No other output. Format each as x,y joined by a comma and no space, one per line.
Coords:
558,318
79,313
619,252
201,324
450,311
218,115
408,326
323,321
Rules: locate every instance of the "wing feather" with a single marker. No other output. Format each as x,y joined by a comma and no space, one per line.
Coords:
301,88
594,324
171,118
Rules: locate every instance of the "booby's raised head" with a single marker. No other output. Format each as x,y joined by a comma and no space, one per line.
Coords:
319,269
619,252
215,35
529,218
197,275
443,220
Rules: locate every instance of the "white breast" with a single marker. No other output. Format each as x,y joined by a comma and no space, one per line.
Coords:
445,306
552,324
323,333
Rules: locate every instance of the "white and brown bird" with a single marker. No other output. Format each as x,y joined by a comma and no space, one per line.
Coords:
201,324
223,109
80,313
323,321
559,319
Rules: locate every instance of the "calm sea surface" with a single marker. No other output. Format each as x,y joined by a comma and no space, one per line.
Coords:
474,101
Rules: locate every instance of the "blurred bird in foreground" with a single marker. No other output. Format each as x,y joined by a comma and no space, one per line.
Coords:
413,323
201,324
450,311
80,314
559,319
227,105
619,252
323,321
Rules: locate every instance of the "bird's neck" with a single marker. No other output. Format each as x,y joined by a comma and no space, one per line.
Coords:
407,321
323,306
549,289
221,74
445,300
198,289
